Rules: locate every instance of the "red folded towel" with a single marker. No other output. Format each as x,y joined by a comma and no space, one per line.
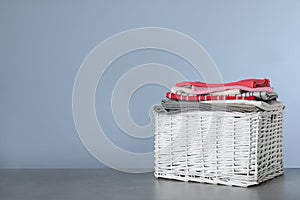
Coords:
252,83
205,98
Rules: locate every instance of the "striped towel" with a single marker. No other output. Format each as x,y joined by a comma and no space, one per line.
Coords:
205,97
264,96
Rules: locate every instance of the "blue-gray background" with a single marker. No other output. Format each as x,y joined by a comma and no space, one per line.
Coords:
43,43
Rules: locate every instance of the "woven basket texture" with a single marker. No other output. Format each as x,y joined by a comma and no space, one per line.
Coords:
229,148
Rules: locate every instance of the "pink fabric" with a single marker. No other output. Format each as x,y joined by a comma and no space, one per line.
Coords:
252,83
205,90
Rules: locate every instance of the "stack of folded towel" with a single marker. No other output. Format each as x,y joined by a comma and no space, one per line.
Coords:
248,89
249,95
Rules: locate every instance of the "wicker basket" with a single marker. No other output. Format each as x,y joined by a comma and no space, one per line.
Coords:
230,148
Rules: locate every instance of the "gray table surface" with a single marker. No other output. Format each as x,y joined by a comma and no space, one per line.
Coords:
85,184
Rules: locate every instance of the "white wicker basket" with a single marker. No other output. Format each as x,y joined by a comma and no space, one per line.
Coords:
230,148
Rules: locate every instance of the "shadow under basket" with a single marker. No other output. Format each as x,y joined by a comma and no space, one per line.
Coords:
218,147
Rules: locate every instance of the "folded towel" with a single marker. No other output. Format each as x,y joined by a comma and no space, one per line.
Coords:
205,90
253,83
188,90
172,106
205,97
